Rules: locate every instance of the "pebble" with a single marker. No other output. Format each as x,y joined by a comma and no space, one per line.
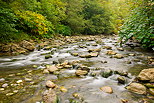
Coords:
4,85
19,81
2,80
1,89
9,94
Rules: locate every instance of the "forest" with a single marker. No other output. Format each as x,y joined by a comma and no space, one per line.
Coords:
36,19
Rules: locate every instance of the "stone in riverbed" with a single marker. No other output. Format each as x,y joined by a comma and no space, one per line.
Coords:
94,50
50,84
110,52
107,47
46,71
75,54
106,73
94,54
137,88
2,79
48,56
4,85
151,90
27,45
118,56
146,75
49,96
81,72
149,85
121,80
107,89
63,89
52,68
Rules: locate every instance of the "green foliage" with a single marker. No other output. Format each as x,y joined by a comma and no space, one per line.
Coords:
64,30
140,25
34,23
97,19
8,20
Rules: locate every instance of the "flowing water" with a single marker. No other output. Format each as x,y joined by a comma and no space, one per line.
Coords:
28,68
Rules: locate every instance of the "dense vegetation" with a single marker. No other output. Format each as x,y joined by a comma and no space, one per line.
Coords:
140,24
25,19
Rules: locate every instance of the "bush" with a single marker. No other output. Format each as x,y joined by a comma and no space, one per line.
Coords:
34,23
140,25
64,30
8,32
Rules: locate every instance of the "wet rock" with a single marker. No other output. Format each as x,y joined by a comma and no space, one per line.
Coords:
75,54
151,90
128,62
49,96
137,88
94,50
120,49
63,89
95,44
81,72
131,54
146,75
107,89
106,73
5,85
50,84
19,81
118,56
28,79
124,101
9,94
107,47
48,56
27,45
121,73
76,95
2,89
149,85
136,60
46,71
48,48
94,54
110,52
104,62
121,80
2,80
85,56
52,68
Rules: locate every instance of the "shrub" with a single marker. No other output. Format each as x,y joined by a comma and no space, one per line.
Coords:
34,23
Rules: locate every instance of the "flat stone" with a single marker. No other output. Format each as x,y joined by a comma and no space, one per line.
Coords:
110,52
4,85
118,56
2,79
94,54
52,68
137,88
107,89
19,81
46,71
94,50
81,72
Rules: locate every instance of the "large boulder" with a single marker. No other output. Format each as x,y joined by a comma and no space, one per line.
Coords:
49,96
147,75
137,88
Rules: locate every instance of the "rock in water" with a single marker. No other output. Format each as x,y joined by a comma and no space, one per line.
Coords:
50,84
137,88
121,80
146,75
151,90
49,96
52,68
81,72
106,73
107,89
